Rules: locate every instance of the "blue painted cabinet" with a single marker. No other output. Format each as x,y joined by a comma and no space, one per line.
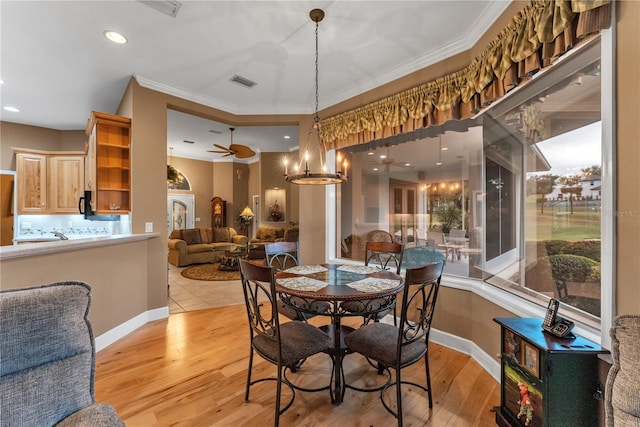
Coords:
546,381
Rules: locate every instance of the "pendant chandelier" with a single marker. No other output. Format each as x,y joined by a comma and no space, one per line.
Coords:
174,178
324,176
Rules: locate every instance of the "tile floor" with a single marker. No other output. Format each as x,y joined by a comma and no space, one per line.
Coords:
189,295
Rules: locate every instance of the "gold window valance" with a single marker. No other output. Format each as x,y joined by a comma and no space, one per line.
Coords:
534,38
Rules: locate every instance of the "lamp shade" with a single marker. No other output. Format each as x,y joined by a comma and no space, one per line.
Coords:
247,213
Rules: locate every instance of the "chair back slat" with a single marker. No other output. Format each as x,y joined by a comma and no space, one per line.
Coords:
419,299
384,253
258,285
282,255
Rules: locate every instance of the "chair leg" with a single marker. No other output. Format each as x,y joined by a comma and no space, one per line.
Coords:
399,396
246,393
276,422
426,366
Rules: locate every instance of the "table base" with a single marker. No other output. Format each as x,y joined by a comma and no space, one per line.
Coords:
337,331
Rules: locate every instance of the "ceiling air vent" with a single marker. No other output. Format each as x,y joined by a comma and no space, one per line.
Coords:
217,132
168,7
243,81
188,142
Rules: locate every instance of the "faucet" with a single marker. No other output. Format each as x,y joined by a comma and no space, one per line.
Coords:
60,235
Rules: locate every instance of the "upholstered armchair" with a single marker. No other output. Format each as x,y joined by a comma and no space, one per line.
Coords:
621,402
291,234
48,358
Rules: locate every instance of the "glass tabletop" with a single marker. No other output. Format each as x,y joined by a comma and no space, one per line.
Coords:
338,283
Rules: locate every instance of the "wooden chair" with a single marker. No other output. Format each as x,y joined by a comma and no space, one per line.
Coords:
283,255
384,254
285,344
396,347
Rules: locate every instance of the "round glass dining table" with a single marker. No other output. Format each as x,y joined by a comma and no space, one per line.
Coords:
303,287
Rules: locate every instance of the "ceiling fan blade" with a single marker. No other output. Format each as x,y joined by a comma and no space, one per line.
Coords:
220,152
242,151
226,150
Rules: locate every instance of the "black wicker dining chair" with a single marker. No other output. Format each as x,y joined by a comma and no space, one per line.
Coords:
283,255
396,347
284,344
386,255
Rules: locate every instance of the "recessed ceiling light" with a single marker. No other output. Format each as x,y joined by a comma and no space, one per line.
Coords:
370,153
287,137
115,37
375,169
438,163
444,148
383,156
407,164
12,109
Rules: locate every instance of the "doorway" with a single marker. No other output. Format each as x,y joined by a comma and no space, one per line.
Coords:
180,212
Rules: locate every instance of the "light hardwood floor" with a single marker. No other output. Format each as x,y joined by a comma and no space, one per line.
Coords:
190,370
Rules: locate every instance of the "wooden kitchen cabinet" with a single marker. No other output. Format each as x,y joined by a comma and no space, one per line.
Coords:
66,183
49,182
31,171
108,168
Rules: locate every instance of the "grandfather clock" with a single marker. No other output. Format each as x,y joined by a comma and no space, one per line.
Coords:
218,212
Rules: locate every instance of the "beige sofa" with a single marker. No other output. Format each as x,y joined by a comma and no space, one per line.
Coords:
202,245
265,235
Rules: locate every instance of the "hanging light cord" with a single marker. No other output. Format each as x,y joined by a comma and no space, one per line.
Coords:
316,118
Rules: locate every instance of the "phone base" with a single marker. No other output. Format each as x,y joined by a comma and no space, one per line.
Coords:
569,336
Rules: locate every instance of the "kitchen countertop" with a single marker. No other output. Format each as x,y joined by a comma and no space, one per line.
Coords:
51,246
49,237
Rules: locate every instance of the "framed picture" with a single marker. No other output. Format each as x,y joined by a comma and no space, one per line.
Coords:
531,359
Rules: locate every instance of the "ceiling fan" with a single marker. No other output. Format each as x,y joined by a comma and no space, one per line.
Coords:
240,151
387,162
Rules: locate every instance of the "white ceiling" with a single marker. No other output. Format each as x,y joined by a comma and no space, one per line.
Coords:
57,66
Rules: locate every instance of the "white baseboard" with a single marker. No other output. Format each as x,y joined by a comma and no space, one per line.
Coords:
488,363
129,326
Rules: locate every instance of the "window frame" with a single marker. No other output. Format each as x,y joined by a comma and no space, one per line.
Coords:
519,304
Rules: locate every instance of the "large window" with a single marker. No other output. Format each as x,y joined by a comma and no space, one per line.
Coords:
511,197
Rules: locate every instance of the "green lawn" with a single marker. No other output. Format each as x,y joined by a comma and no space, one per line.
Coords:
583,223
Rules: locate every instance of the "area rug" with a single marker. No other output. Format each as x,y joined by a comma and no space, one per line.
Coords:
209,272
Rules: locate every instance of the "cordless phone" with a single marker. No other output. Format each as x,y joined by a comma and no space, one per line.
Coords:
554,324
